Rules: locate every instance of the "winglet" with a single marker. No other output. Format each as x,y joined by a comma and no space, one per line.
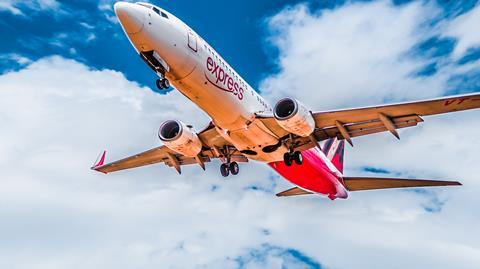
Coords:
100,160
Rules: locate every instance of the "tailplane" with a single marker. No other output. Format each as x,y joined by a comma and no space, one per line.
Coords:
334,149
369,183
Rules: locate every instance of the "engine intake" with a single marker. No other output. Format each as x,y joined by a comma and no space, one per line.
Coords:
294,117
180,138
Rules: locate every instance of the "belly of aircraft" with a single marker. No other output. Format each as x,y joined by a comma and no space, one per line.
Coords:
313,175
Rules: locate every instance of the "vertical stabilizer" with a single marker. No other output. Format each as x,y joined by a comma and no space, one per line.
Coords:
334,149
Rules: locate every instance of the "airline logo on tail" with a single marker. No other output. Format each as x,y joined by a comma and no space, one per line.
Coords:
334,149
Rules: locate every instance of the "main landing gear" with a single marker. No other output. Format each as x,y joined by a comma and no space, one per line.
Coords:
227,168
290,157
163,84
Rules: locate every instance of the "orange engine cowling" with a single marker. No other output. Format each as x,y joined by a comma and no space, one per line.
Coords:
294,117
180,138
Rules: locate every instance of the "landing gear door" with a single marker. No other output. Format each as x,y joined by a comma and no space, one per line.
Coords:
192,41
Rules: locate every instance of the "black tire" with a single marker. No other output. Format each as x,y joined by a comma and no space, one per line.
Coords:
287,159
234,169
165,83
297,157
159,84
224,170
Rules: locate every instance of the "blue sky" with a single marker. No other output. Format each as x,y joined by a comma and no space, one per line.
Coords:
236,30
71,85
82,31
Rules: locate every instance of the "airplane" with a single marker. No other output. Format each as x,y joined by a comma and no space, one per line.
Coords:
243,127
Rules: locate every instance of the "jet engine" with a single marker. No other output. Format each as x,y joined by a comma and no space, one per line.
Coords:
294,117
180,138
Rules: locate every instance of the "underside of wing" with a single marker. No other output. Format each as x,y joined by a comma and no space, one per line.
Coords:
349,123
212,142
295,191
152,156
369,183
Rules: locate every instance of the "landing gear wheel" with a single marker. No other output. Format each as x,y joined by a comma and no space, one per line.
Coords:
297,157
234,169
165,83
162,84
287,158
159,84
224,170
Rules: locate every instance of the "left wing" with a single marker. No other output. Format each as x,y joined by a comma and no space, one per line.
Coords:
349,123
213,147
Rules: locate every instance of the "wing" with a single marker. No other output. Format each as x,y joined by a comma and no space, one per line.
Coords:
348,123
213,147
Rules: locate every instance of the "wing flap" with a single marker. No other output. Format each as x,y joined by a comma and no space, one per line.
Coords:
369,183
295,191
367,127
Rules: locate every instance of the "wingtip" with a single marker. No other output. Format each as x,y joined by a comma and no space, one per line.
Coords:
100,160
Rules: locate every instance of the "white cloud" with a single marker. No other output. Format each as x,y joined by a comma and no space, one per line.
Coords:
9,6
349,57
60,114
465,29
358,55
16,58
16,6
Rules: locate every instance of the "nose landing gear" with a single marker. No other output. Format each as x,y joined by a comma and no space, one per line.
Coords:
162,84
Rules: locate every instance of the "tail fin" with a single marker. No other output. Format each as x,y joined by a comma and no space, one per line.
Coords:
334,149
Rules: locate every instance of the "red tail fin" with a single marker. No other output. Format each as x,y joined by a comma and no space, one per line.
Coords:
334,149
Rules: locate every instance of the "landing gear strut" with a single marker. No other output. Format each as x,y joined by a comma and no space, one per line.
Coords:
290,157
227,168
162,84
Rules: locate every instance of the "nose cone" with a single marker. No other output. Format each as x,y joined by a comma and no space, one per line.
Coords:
131,16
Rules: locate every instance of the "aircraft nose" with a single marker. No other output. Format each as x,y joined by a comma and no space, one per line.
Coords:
131,16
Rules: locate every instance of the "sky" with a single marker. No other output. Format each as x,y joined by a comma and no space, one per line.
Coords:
71,86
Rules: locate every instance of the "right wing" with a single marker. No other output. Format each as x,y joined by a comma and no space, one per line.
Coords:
349,123
213,148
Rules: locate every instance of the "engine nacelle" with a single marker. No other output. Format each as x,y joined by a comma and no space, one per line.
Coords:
294,117
180,138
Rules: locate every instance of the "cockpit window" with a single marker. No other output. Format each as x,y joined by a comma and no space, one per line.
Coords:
161,13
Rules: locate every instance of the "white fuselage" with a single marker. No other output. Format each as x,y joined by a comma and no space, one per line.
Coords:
203,76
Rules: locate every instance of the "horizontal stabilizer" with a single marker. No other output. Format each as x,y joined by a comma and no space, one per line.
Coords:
369,183
293,192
